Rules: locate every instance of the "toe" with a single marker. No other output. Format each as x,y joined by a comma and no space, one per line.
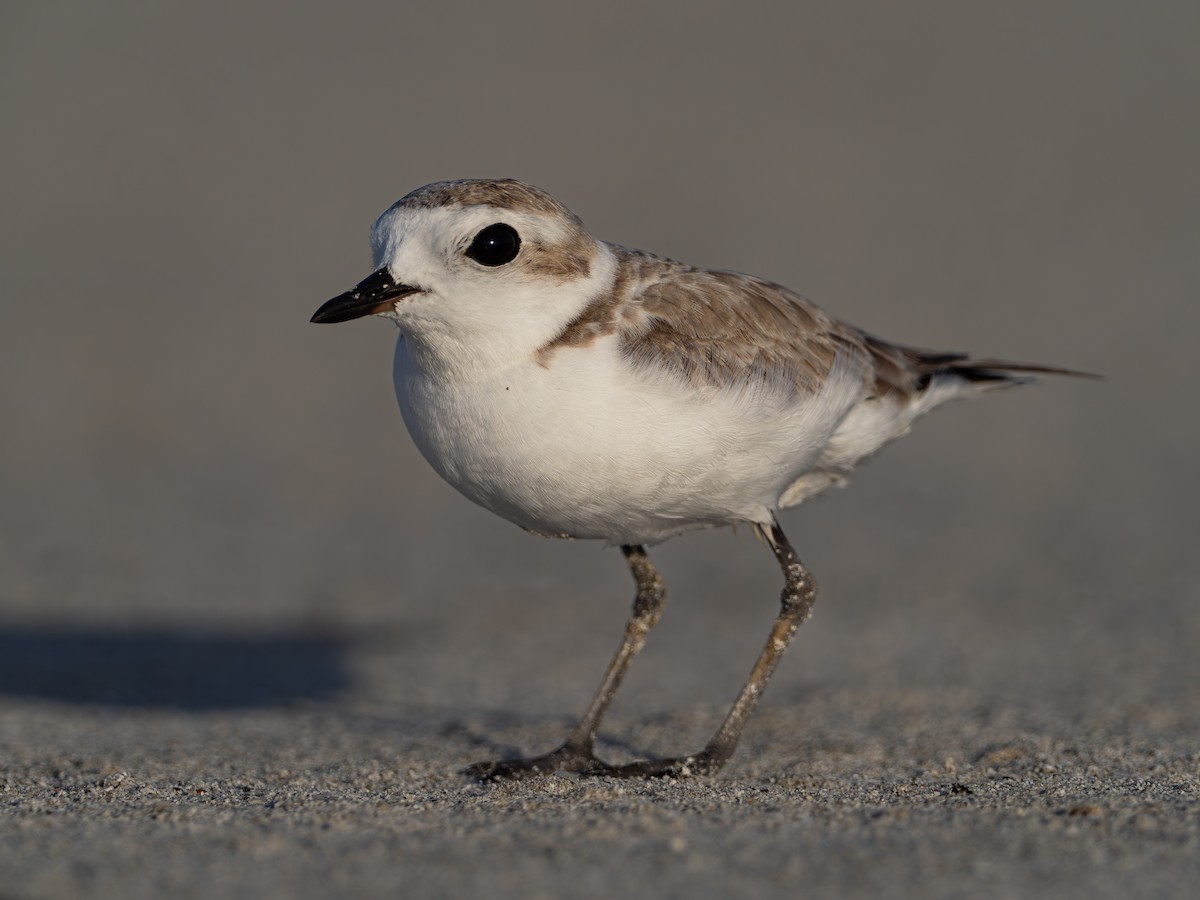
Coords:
564,759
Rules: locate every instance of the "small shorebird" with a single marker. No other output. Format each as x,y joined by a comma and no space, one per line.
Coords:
585,390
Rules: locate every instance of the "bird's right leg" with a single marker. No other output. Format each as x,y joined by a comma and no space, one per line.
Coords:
578,753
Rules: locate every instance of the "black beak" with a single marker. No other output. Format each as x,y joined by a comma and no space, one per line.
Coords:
376,293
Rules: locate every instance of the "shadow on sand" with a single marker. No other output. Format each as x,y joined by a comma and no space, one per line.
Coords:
185,669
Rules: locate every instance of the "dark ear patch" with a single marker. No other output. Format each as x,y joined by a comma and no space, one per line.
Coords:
563,262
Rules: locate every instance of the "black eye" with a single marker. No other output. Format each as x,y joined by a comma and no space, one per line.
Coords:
495,245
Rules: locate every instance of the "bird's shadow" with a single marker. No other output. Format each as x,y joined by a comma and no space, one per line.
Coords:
181,668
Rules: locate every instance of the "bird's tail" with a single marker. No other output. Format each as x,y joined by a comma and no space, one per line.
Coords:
916,373
988,373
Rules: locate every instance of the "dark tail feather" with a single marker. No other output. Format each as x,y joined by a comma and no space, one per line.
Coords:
906,370
990,370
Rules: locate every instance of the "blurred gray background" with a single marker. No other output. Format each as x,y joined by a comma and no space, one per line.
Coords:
222,560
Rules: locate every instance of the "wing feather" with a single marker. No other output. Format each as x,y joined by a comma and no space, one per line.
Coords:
728,330
725,329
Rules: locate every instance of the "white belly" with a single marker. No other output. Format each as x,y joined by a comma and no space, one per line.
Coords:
590,448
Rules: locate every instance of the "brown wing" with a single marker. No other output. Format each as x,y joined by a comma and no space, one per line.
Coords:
723,328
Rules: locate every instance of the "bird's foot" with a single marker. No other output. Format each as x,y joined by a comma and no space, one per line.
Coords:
702,763
584,762
566,758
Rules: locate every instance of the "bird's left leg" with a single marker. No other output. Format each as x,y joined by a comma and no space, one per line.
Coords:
795,606
578,754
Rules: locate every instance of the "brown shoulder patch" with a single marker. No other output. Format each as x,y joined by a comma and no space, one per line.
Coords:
604,314
597,319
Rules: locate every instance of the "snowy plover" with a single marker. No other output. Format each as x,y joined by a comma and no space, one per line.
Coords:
584,390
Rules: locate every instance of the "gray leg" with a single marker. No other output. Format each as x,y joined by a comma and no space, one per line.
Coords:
577,754
796,602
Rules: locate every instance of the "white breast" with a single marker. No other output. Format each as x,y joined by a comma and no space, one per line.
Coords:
590,447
